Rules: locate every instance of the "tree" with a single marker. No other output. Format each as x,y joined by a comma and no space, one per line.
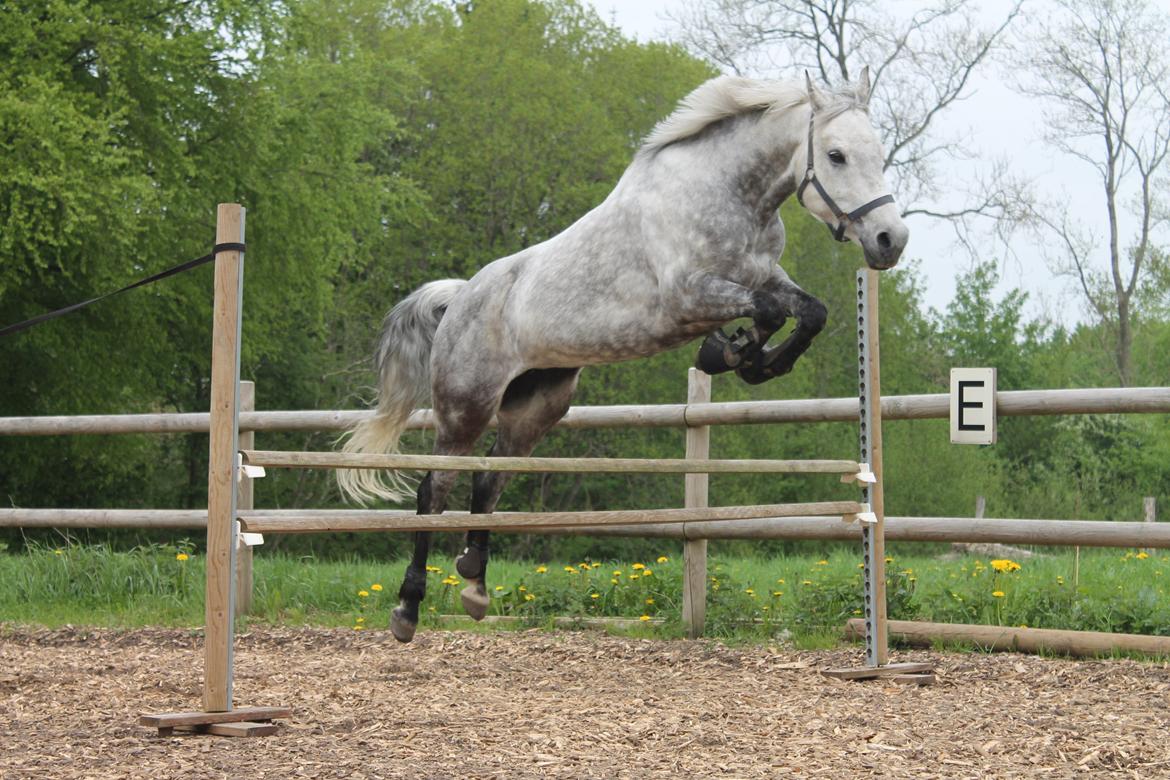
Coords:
921,67
1102,68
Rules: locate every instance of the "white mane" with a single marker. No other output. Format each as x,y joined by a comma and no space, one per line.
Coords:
728,96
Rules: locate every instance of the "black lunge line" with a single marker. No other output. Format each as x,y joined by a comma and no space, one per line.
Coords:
226,247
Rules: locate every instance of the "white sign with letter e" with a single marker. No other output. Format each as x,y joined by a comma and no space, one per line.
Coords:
973,406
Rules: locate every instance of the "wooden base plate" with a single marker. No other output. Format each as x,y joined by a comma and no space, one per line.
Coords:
906,673
241,722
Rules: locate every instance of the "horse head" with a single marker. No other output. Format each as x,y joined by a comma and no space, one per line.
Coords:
844,184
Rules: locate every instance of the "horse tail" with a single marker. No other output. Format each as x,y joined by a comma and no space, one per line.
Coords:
403,362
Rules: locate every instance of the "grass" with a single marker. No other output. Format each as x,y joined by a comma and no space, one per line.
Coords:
749,599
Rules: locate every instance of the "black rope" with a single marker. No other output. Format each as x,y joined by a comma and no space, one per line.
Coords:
178,269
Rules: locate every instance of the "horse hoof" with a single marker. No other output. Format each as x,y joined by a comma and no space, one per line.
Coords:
470,563
475,601
716,354
401,626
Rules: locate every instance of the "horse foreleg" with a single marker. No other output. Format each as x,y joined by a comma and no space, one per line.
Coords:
716,299
764,364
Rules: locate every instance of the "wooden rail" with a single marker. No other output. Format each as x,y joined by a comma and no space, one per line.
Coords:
1054,533
1010,403
383,520
351,460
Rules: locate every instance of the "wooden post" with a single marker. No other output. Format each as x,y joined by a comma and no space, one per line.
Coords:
1151,512
980,507
244,500
694,603
873,535
221,482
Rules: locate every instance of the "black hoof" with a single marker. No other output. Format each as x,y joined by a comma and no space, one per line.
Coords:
471,562
718,354
401,625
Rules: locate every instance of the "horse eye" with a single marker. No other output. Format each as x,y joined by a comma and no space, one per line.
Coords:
836,157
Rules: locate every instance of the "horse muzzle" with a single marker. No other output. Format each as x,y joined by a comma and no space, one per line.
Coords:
883,248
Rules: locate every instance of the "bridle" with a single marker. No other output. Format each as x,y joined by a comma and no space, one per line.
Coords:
843,220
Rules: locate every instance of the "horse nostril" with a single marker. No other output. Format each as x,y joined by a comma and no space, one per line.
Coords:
883,240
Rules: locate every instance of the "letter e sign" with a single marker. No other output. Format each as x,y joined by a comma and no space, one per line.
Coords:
973,406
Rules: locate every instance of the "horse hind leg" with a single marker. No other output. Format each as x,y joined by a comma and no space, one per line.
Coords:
455,434
533,403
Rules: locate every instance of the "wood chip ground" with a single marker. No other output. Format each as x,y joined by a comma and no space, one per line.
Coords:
569,704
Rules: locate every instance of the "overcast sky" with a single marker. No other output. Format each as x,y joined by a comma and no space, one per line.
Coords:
998,123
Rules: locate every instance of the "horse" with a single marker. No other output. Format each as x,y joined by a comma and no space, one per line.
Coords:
688,241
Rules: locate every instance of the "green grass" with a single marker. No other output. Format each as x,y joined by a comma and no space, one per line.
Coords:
749,599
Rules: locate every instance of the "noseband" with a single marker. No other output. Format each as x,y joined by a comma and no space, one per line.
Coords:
843,220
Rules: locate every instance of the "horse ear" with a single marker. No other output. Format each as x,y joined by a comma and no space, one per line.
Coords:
863,87
816,98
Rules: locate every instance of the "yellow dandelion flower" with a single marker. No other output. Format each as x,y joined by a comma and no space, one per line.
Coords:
649,601
633,576
647,572
434,570
822,563
764,608
749,591
617,573
361,620
857,612
449,580
662,559
1142,556
777,593
359,628
529,597
522,589
499,588
613,582
889,559
584,566
999,594
594,595
62,552
861,565
541,569
363,593
638,566
571,569
179,557
780,581
1005,565
376,587
806,582
644,618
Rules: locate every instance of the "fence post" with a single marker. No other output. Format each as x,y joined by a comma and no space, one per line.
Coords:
873,535
1151,508
244,500
694,605
221,482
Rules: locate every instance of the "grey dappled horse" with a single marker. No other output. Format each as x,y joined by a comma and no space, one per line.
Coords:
687,241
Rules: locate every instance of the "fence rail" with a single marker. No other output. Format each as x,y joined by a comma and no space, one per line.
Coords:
1010,403
1054,533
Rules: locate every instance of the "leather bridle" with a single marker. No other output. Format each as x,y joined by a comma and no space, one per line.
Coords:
844,220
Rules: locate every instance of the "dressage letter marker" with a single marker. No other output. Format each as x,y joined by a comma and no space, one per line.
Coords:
973,406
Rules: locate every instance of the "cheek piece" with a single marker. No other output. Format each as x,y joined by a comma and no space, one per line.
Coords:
844,220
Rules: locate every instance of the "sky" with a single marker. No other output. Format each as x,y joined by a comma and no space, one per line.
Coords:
996,122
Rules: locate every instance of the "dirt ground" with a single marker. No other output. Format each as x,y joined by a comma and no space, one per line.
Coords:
569,704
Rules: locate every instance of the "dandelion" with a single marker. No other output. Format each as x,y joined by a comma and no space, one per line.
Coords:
633,576
777,593
62,552
1142,556
806,582
363,593
541,569
179,557
1004,565
361,620
617,573
594,595
376,587
662,559
449,580
638,566
571,569
595,566
647,573
522,589
857,612
649,601
584,566
780,581
499,588
861,565
644,618
613,582
359,628
529,597
749,591
434,570
889,559
822,563
999,594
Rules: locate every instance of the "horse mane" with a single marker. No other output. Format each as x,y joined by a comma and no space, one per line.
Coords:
728,96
